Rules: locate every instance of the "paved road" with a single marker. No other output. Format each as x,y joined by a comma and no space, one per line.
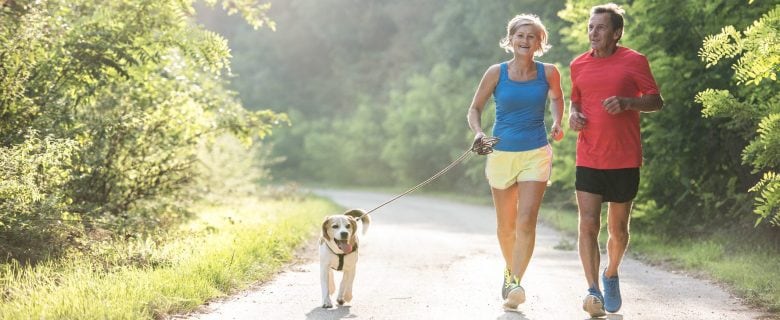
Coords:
425,258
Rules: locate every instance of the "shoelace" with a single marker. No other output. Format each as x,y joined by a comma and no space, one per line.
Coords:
507,278
596,294
611,284
512,281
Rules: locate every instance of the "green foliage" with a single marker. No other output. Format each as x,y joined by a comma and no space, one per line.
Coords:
228,168
32,198
169,273
368,58
123,92
255,14
759,49
425,128
754,108
575,35
768,199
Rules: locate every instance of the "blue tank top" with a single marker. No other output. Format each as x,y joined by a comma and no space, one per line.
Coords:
520,111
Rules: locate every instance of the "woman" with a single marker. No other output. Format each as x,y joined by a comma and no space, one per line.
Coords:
520,166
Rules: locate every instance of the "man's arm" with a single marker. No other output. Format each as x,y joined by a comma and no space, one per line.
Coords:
645,103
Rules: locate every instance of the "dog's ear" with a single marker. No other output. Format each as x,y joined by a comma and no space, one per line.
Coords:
353,223
325,226
355,213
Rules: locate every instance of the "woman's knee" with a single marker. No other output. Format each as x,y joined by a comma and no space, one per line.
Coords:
505,231
525,224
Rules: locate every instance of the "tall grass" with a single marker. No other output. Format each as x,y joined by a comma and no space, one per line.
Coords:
226,248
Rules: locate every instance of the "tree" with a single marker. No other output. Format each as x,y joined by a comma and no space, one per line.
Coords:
109,101
753,108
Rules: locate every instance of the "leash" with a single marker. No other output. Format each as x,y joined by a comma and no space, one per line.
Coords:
481,147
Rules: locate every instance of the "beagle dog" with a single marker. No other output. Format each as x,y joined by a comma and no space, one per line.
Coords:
338,251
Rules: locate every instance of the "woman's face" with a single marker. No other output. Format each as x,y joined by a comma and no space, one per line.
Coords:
526,40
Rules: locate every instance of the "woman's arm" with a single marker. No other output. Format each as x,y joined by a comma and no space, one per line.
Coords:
483,93
556,100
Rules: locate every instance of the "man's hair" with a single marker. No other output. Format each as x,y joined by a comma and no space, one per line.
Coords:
615,14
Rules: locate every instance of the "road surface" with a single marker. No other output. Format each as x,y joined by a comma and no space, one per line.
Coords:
427,258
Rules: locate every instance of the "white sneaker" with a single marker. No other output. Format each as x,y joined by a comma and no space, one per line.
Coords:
515,297
594,306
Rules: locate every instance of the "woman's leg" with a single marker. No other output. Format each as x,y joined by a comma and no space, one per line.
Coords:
529,199
505,201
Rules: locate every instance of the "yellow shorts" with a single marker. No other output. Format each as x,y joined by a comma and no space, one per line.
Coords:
505,168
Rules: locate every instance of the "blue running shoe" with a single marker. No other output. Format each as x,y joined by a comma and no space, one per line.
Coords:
593,303
612,301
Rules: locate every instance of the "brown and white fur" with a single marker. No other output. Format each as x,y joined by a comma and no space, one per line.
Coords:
340,238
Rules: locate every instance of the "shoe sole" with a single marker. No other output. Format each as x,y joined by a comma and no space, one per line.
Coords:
515,298
613,310
593,307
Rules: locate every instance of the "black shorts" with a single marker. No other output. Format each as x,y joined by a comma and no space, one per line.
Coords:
614,185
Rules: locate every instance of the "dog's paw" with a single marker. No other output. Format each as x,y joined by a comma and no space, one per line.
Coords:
340,301
327,305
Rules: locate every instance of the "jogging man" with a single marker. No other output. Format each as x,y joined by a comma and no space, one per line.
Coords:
611,85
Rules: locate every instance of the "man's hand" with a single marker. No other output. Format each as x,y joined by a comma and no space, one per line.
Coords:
615,105
576,121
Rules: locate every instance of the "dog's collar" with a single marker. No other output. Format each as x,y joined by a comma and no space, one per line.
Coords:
340,255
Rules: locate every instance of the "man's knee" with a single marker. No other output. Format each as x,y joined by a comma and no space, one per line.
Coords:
619,232
589,225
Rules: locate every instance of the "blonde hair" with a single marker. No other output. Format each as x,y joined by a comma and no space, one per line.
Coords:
524,20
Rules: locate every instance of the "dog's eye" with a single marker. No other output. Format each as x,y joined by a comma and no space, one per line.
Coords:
335,226
349,226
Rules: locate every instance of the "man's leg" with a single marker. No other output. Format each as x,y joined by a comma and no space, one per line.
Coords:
618,217
589,205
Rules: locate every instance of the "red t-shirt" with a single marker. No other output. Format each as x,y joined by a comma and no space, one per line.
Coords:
610,141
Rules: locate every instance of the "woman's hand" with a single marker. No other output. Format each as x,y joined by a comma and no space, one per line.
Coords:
556,132
483,145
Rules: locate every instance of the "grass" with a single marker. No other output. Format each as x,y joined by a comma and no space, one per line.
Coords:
750,271
223,250
227,248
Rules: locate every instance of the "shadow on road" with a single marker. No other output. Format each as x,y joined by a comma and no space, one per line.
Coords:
340,312
519,315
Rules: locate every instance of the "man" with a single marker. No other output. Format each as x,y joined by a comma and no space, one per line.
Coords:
611,85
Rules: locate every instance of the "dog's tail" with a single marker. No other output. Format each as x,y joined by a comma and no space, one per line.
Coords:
360,214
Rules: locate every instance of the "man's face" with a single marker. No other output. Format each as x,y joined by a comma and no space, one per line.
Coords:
601,34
